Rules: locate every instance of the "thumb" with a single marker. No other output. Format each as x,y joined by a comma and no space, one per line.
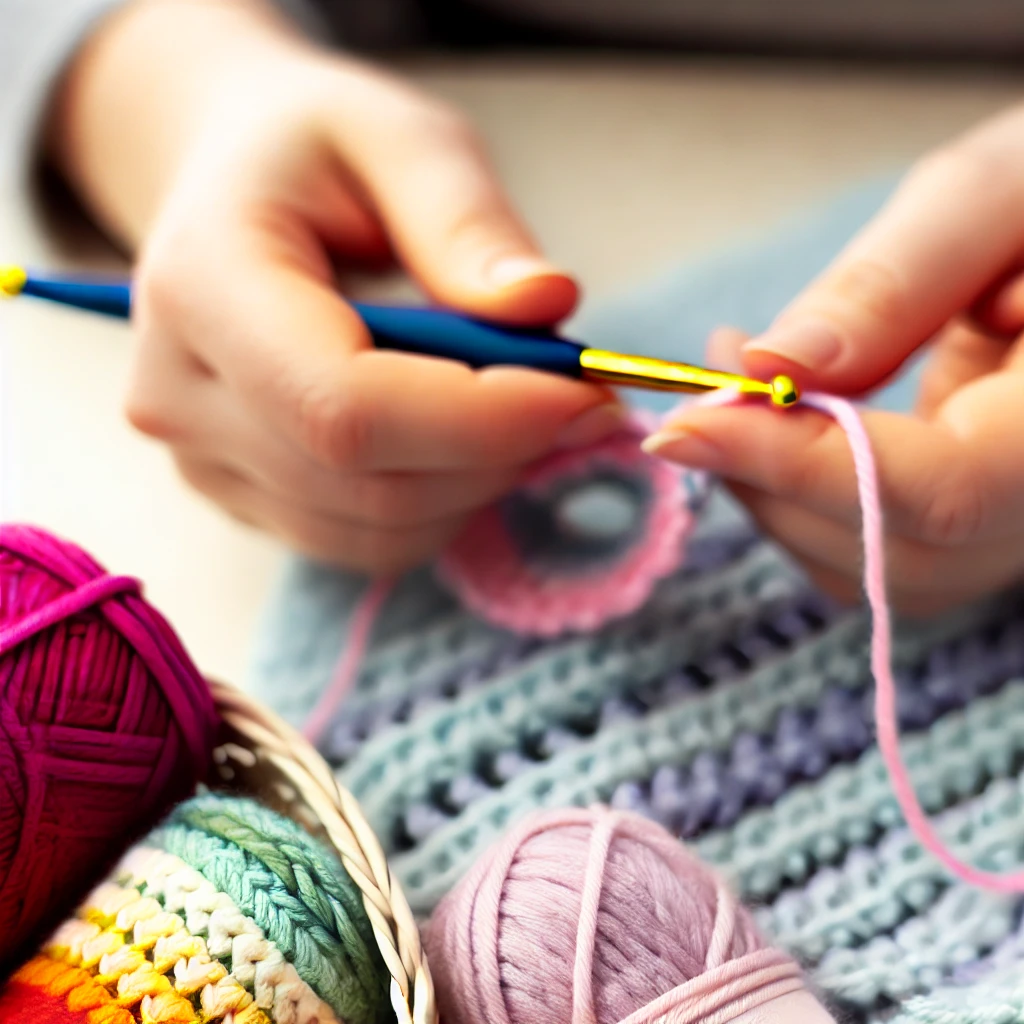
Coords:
925,258
453,225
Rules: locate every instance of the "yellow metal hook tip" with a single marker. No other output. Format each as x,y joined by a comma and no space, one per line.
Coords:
12,280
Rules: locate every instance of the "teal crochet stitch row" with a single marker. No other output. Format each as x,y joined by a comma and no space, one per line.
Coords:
997,1000
294,890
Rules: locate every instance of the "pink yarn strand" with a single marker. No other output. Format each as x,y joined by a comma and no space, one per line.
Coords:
720,996
586,932
363,619
720,945
886,719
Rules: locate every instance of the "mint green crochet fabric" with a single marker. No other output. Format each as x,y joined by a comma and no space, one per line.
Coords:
734,708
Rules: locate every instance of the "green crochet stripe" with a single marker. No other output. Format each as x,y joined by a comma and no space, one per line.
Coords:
814,824
294,889
569,682
589,772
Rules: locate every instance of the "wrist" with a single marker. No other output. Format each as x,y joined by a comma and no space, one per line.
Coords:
138,92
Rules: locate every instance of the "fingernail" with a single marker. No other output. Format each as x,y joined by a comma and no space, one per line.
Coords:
512,269
686,448
592,426
811,345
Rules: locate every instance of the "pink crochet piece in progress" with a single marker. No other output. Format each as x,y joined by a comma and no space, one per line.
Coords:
488,572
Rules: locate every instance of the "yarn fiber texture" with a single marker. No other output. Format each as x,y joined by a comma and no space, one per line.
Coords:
227,911
599,916
104,723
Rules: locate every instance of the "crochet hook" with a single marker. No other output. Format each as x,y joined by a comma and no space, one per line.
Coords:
438,332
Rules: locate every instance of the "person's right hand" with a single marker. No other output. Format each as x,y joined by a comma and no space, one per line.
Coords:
241,161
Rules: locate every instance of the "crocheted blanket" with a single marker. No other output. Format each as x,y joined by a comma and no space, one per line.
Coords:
734,708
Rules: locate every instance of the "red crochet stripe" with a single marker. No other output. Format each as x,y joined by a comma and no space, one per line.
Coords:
44,991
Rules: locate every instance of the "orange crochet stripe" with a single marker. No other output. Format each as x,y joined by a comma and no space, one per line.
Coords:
74,996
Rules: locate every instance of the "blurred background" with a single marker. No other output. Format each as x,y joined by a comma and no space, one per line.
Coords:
698,128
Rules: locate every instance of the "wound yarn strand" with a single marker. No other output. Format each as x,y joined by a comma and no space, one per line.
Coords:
347,671
886,719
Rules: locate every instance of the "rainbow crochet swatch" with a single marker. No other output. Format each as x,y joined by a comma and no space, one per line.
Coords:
226,912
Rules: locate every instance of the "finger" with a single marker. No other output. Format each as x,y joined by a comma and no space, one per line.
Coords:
300,358
917,573
389,501
725,349
943,482
325,538
841,588
921,261
960,355
217,427
1000,311
448,215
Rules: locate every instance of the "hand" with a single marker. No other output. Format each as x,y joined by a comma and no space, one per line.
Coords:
243,162
940,263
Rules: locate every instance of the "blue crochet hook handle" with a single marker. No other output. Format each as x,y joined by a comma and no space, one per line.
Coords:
447,335
433,332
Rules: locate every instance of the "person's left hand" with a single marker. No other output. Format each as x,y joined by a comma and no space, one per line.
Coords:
951,474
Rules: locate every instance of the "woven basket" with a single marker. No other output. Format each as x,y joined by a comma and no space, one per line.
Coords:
259,755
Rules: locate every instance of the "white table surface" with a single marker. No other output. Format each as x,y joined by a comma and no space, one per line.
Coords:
621,166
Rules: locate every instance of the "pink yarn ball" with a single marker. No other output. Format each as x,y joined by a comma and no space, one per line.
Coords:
600,917
104,723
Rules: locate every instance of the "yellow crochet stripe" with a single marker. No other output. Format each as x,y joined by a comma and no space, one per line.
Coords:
125,947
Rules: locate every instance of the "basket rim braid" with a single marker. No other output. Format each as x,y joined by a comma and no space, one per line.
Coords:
256,747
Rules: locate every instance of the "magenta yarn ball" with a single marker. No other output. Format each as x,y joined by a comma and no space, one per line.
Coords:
104,723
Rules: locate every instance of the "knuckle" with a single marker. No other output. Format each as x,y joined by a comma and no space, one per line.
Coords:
386,503
158,291
873,287
145,417
337,430
149,414
956,511
794,478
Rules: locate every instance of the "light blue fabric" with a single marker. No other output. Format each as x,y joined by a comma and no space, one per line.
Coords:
745,286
